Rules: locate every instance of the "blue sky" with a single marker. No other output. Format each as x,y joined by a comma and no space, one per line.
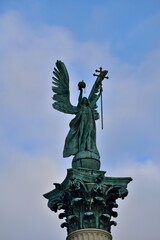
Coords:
122,37
124,24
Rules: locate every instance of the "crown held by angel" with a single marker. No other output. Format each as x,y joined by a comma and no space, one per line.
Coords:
81,138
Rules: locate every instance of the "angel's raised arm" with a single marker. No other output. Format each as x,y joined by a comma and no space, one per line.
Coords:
96,89
60,89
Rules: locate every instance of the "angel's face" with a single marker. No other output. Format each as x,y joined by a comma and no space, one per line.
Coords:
85,101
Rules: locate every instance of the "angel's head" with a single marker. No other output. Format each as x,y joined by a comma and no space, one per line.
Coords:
85,101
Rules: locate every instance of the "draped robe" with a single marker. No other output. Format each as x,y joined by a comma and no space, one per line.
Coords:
82,133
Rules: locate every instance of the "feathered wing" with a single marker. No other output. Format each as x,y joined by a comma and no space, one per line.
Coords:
61,89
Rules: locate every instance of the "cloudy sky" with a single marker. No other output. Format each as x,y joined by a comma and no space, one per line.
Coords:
121,36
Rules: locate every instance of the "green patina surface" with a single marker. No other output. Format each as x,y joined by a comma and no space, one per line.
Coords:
88,199
86,196
82,133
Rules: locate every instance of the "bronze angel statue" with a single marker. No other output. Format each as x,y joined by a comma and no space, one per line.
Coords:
81,138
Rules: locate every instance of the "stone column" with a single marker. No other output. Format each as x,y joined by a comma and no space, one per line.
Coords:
89,234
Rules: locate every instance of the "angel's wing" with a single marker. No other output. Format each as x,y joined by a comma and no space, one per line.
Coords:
61,89
95,93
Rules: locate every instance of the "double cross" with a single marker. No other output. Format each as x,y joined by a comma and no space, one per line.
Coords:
102,74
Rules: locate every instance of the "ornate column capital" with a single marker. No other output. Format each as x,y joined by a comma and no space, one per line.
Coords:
88,199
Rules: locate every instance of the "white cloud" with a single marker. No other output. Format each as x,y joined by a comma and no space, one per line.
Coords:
26,70
131,111
138,213
131,115
24,213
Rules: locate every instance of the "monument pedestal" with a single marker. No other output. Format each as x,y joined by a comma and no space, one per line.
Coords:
90,234
86,159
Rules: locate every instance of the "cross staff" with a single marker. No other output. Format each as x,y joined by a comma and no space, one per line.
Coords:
102,75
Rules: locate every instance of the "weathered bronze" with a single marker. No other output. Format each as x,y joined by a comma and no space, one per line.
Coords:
102,77
81,139
81,85
86,196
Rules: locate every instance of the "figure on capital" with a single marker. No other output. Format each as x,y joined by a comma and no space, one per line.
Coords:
82,134
86,198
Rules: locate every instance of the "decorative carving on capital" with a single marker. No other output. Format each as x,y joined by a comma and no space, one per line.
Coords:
88,199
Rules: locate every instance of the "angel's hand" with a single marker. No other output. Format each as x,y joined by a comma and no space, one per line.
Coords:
81,90
101,89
